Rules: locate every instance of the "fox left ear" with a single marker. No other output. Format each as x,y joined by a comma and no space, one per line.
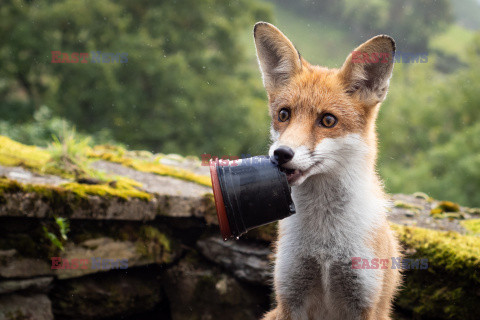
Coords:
366,72
277,57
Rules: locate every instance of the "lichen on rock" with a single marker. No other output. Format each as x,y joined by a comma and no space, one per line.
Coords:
13,153
155,244
472,225
448,289
118,155
122,189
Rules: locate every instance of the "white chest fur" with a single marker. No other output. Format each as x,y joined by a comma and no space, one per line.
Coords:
334,220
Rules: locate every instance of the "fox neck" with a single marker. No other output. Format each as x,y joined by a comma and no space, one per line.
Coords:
346,204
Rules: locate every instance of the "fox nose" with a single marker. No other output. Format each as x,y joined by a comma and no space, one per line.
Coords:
283,155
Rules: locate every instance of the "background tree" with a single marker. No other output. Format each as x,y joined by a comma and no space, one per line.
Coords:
184,89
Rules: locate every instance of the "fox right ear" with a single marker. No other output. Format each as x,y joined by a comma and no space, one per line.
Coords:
366,72
277,57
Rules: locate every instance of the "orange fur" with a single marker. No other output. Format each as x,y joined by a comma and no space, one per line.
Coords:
385,246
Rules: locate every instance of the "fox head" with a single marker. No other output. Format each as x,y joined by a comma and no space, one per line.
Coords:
323,120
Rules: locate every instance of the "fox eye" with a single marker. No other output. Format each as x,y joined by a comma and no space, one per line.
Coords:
284,115
328,120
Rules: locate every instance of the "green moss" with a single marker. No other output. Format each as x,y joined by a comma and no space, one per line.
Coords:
454,215
448,250
428,296
437,214
408,206
72,193
446,206
121,189
423,195
43,161
58,199
13,153
472,225
178,173
124,188
474,211
155,244
118,155
68,159
7,185
448,288
447,209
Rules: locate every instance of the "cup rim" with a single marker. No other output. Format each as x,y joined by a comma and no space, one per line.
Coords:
219,203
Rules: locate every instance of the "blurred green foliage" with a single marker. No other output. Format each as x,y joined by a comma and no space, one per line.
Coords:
184,89
411,22
40,128
429,129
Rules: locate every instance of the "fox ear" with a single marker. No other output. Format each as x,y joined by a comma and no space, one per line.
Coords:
367,70
277,57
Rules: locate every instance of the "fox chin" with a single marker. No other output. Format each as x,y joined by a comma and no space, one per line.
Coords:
323,137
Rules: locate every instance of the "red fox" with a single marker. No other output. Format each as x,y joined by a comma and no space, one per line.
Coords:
323,137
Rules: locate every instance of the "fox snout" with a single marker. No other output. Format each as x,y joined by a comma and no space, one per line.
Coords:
282,155
287,159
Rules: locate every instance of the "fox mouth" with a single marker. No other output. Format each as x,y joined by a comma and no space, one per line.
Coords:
293,175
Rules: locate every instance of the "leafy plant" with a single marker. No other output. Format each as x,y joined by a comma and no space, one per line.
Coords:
63,227
68,154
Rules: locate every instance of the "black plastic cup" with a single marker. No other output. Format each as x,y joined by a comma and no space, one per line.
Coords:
249,193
